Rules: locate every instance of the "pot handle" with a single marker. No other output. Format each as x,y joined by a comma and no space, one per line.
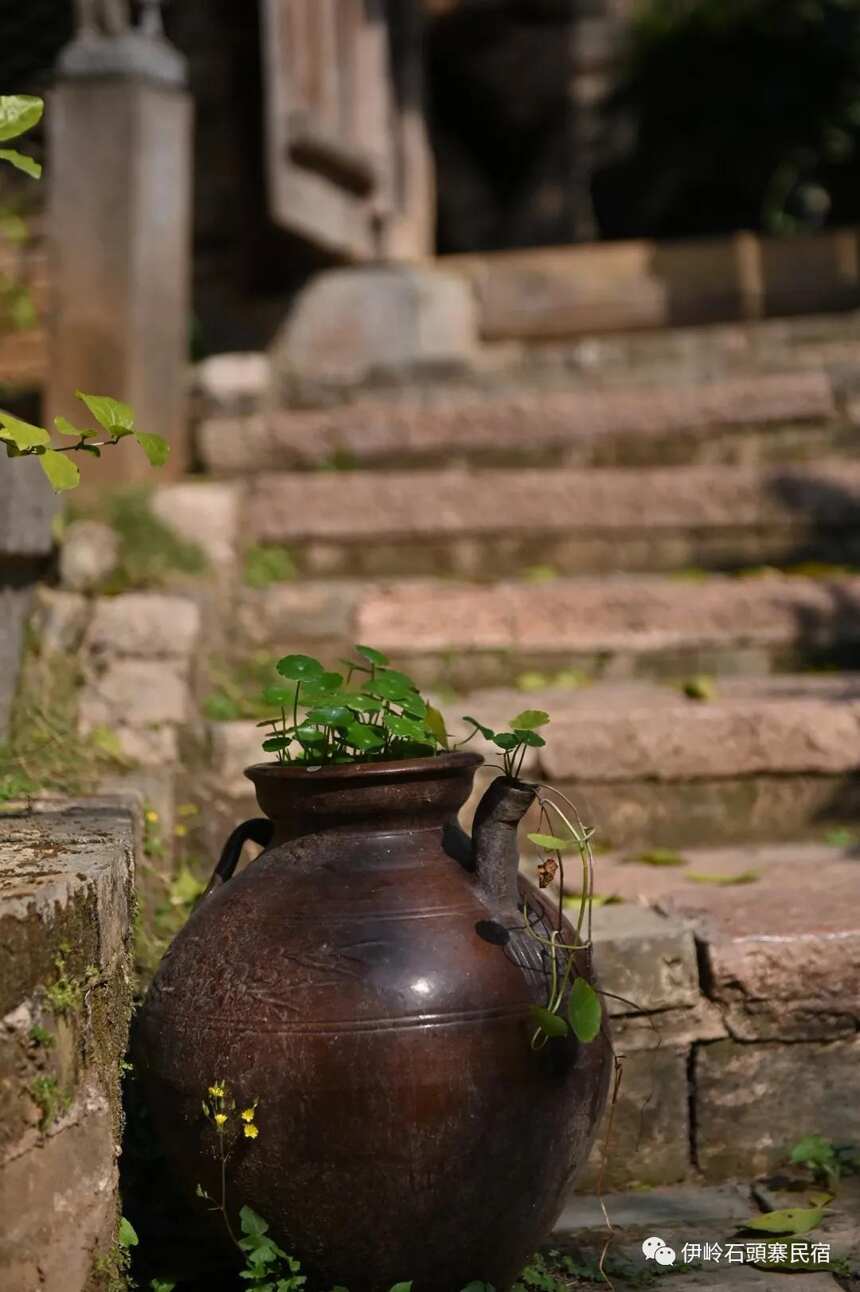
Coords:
259,830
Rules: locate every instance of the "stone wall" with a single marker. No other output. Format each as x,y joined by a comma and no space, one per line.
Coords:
66,905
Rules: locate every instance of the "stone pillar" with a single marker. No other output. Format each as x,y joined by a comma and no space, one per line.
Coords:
120,173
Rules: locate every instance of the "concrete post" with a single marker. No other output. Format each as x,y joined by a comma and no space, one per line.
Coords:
120,173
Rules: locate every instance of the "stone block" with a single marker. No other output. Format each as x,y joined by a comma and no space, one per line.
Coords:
754,1101
58,1201
651,1128
205,514
135,693
59,619
233,747
27,507
783,954
143,626
301,611
88,554
233,384
645,958
351,323
15,599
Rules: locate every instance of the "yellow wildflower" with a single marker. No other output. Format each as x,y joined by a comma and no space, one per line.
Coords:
248,1114
217,1091
251,1131
187,809
180,831
220,1119
151,816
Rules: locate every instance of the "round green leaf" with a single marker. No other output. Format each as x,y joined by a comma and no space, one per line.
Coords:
60,470
529,719
506,740
307,734
584,1011
363,737
280,697
276,743
329,681
363,703
18,114
405,728
550,1024
126,1236
372,656
414,706
391,686
530,738
330,715
155,447
300,667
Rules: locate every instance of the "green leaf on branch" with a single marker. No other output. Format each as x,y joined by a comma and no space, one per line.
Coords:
529,719
18,114
21,161
60,470
112,415
584,1011
65,427
552,842
22,435
155,447
298,668
550,1024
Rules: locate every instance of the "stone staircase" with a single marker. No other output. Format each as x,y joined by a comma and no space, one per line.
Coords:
654,537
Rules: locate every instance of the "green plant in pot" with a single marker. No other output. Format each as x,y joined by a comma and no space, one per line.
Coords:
415,1024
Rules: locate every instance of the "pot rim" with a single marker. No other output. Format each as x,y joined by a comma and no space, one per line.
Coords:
395,769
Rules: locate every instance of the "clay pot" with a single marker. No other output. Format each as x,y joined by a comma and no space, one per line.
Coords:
368,981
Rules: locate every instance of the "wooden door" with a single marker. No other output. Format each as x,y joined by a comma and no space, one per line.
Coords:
347,153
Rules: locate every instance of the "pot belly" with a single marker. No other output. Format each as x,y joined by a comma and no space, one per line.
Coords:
436,1150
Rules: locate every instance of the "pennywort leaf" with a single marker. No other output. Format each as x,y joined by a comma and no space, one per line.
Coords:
299,667
550,1024
584,1011
371,655
529,719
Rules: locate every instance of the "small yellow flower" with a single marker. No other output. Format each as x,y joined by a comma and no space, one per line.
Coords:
151,816
217,1091
187,809
180,831
248,1114
220,1119
251,1131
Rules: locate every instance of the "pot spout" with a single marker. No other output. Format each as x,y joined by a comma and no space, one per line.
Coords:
494,838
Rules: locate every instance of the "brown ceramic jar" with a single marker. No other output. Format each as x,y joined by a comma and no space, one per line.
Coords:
367,980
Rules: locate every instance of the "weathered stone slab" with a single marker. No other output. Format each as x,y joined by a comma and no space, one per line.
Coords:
527,425
350,323
135,693
650,1137
302,611
782,954
233,746
232,383
753,1102
203,513
144,626
88,554
688,1206
646,958
66,901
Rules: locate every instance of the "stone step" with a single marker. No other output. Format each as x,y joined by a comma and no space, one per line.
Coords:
766,758
770,417
483,523
465,635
